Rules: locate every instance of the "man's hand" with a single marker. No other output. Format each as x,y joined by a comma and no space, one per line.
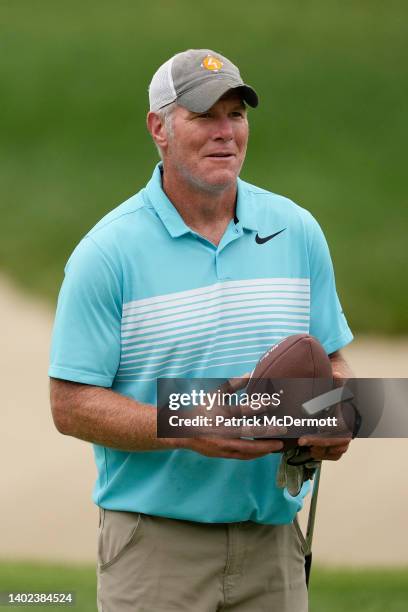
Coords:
329,449
227,448
234,447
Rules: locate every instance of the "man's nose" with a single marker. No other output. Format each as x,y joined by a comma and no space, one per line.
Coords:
223,129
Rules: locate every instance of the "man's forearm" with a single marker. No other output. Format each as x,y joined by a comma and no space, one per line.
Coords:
101,416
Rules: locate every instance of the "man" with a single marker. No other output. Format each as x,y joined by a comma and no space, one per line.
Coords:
194,276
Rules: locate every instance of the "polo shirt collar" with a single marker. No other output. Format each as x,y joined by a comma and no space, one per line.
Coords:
168,213
246,210
173,221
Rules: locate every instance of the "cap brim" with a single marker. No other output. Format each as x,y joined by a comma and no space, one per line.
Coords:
204,96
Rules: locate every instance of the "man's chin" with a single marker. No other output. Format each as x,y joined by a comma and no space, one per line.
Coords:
216,182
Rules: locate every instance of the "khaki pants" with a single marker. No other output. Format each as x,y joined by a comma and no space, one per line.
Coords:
153,564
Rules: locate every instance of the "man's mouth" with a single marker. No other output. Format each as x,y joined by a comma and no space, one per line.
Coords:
221,155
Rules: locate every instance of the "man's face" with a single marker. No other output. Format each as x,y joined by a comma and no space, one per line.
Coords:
207,150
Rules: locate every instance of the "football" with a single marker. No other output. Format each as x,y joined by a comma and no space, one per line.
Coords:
300,356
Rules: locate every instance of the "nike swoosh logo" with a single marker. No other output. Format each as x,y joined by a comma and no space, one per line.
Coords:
260,240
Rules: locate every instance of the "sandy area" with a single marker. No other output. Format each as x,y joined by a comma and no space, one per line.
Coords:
47,478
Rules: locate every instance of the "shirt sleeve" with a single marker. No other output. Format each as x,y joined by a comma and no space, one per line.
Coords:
327,320
86,336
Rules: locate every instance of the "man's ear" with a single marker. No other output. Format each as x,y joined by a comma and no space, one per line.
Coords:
157,129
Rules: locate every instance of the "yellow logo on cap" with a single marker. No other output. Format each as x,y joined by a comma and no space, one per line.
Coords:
212,63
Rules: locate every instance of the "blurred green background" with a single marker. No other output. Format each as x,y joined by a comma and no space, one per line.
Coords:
330,132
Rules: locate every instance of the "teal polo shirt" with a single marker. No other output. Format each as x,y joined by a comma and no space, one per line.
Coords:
144,296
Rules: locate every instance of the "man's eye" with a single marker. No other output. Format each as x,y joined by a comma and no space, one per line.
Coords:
237,114
203,116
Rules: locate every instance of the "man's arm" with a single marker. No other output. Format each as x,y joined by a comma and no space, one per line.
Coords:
102,416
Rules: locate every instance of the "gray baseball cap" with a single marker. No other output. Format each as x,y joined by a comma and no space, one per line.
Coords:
196,79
